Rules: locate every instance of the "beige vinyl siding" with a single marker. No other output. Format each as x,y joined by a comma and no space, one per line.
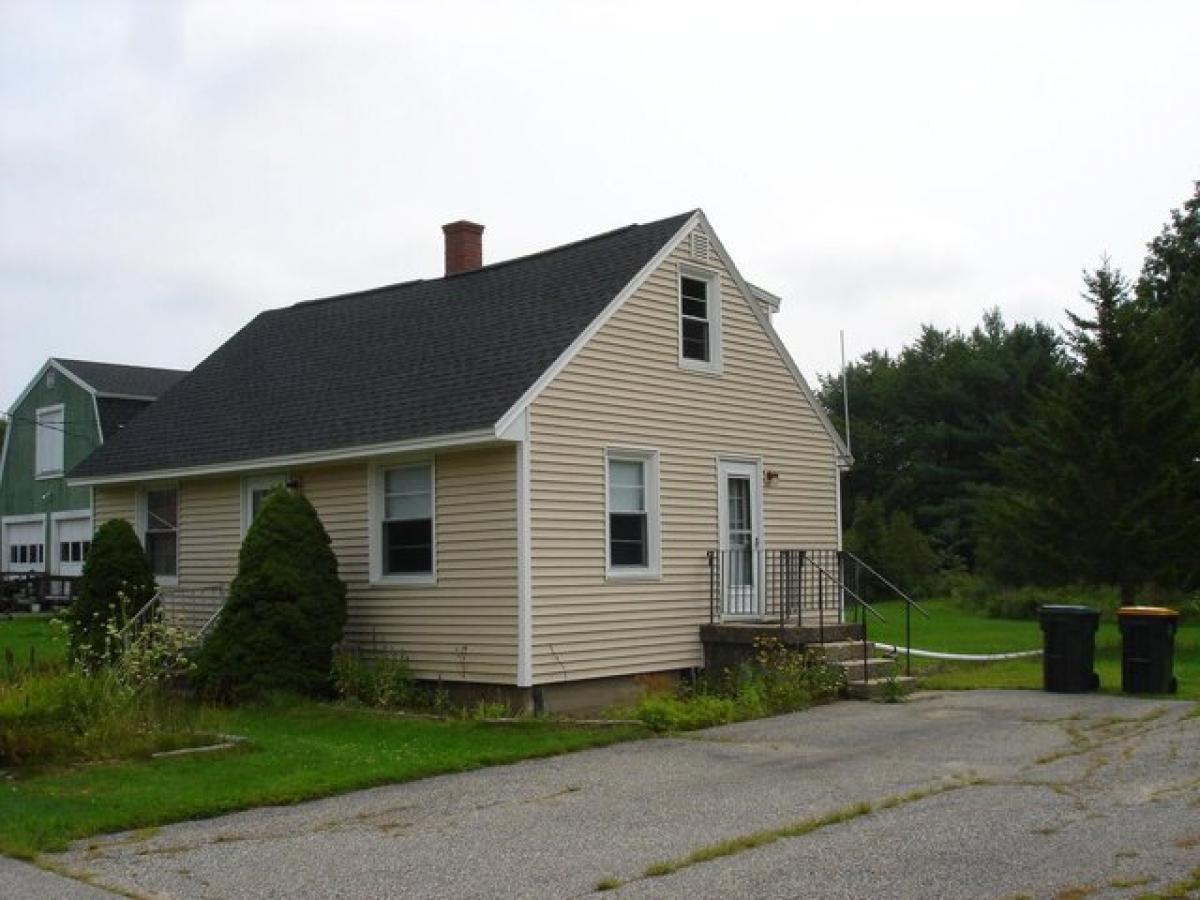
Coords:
625,389
114,502
210,531
467,620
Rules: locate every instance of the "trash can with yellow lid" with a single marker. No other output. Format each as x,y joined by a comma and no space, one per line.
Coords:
1148,649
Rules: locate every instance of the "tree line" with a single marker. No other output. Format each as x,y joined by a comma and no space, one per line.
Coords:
1036,455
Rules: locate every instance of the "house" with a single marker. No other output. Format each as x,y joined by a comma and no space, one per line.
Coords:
69,408
525,468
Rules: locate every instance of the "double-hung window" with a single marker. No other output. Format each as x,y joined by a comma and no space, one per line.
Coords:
632,527
162,530
699,320
406,536
48,438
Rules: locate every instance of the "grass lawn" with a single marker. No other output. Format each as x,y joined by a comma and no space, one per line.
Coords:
23,634
954,630
295,752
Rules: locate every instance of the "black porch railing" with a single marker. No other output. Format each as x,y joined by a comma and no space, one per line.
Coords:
801,587
25,589
781,585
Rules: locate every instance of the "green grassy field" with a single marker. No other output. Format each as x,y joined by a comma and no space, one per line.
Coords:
954,630
22,635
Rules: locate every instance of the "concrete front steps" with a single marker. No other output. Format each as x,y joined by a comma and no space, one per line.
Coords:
726,645
880,671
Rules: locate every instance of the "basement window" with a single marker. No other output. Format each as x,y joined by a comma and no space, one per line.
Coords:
699,320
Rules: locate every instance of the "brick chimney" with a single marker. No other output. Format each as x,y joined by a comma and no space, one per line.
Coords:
464,246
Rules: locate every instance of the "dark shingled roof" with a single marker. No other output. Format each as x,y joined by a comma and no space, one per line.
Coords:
407,361
128,381
116,413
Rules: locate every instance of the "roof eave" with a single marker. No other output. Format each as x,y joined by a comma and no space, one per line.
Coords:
366,451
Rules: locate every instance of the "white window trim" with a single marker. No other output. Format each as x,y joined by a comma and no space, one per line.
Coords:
713,279
252,483
375,484
39,475
142,516
653,570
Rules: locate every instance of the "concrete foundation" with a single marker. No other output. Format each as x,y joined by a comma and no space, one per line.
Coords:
727,646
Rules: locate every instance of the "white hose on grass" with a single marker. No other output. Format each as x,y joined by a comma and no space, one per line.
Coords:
958,657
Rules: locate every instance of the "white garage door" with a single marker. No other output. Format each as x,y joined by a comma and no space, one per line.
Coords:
73,538
25,546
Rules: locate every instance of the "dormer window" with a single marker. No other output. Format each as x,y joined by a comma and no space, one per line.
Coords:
699,320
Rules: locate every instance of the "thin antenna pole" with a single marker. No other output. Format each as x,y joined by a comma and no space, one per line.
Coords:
845,391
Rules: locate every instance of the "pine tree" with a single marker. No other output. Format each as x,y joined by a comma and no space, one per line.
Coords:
923,422
117,582
1169,294
286,608
1093,490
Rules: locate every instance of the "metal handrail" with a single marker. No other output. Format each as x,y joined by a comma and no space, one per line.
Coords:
903,596
909,605
211,621
138,619
861,602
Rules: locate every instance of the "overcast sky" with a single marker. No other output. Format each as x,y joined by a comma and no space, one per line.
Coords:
168,170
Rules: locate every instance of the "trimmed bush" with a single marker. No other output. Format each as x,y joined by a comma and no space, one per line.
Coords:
285,612
117,582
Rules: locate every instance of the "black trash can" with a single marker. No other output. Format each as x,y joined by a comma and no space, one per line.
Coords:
1069,648
1148,649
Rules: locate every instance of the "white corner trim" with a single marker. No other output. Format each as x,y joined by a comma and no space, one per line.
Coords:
597,323
762,295
524,566
756,309
483,436
4,453
517,429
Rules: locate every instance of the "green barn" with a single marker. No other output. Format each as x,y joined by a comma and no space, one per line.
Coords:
69,408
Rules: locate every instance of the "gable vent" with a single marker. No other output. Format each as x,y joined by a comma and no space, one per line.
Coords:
700,247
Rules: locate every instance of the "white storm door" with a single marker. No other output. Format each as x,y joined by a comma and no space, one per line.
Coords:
740,498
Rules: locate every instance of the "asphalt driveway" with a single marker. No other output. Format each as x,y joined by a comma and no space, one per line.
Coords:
974,794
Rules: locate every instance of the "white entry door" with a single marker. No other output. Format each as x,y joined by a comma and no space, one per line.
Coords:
70,542
740,498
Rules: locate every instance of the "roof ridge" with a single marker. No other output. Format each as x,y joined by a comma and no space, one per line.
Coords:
490,266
